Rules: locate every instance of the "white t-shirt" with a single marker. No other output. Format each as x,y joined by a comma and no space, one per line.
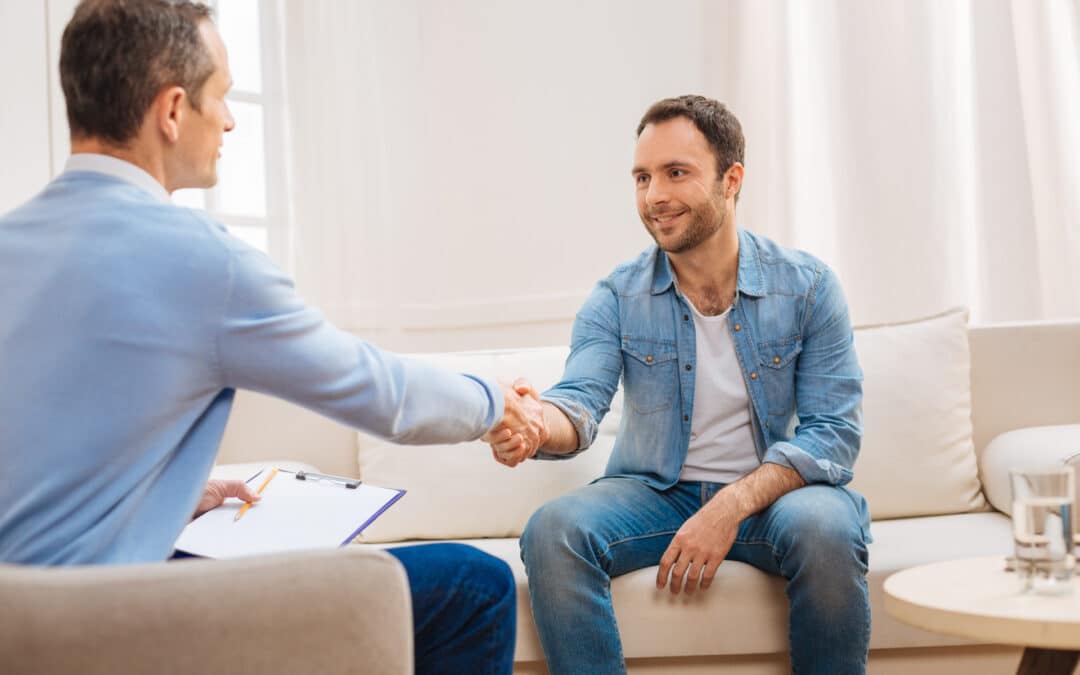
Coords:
721,438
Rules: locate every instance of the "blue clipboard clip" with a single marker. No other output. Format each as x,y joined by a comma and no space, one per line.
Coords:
349,483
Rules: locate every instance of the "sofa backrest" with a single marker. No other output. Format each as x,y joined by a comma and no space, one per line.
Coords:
1022,375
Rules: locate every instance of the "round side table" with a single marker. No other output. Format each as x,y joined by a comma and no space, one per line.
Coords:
977,598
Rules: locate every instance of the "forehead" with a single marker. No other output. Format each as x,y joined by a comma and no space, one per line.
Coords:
216,46
677,139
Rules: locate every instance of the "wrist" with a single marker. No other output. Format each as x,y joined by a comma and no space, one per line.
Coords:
733,500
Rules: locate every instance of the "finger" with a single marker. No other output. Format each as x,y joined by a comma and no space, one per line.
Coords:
499,433
513,459
507,446
240,490
666,561
678,571
693,573
524,387
708,573
223,489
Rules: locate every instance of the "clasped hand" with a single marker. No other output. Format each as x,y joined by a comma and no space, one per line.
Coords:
522,430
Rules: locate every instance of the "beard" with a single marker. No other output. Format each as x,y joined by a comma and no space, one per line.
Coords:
706,219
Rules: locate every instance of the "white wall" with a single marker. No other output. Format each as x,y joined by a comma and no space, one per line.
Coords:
475,157
24,109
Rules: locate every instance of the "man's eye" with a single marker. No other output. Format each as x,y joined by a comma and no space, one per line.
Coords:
676,173
641,179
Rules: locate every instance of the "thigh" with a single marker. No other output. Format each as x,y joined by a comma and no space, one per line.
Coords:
622,522
810,521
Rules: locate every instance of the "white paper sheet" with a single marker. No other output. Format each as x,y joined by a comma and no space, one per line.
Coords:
293,515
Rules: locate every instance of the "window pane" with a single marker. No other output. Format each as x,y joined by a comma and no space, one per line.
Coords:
253,236
238,22
192,198
242,169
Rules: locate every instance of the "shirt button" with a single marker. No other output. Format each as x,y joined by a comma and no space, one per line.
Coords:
685,418
738,327
685,317
648,358
689,367
776,359
753,376
766,424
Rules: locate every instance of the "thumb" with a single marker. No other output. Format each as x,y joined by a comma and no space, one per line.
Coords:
240,490
523,387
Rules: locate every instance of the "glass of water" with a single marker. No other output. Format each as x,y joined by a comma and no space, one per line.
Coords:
1043,528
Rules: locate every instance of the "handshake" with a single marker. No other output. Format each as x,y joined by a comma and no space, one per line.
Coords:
522,430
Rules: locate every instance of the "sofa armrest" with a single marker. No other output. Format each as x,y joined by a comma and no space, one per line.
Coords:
1033,448
337,611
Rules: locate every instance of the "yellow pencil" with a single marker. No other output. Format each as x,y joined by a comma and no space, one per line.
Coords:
245,507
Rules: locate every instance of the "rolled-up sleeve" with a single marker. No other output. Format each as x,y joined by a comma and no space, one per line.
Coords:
828,392
270,341
593,368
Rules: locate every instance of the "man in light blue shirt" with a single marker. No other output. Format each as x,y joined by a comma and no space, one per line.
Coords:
129,323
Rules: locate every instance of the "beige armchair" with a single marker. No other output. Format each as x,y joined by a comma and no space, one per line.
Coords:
325,612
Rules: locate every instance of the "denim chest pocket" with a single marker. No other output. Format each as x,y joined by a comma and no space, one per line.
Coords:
776,361
650,375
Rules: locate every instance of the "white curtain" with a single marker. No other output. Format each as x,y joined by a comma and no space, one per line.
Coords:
928,149
465,165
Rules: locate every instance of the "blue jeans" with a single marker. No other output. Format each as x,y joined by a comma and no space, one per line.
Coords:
814,537
464,609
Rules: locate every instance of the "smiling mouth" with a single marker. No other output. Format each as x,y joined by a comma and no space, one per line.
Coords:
666,218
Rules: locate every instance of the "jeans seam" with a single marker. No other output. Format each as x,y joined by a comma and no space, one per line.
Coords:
480,596
607,549
762,542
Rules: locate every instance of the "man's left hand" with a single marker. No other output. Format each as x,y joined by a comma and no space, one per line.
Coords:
698,548
217,491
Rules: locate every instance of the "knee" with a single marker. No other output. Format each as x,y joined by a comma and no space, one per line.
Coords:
825,536
475,570
484,571
555,528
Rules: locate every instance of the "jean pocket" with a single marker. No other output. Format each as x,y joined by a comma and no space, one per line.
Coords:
650,375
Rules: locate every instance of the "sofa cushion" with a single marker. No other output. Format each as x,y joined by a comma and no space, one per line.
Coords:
456,491
1043,447
917,455
745,610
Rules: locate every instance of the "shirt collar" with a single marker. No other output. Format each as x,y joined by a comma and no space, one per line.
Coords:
118,168
749,280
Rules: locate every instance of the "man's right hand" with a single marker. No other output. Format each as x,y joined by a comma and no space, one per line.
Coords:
522,430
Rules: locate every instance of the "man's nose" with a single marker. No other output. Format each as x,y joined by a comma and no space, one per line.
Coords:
657,193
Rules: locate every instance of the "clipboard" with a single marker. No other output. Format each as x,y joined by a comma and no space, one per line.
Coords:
298,511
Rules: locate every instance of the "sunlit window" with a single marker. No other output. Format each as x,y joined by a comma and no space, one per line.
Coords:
250,163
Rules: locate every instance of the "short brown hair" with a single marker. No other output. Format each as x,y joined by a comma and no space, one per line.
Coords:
712,118
116,55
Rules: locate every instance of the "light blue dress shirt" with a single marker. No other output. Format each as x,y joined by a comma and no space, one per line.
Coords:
126,324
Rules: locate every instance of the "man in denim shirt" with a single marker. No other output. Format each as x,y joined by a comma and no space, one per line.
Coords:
743,417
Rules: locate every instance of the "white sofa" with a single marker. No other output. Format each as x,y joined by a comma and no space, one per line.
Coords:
936,393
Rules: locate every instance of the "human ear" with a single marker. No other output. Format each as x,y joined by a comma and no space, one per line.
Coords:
169,109
733,180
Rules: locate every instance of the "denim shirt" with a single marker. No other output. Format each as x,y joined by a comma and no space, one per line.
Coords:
793,339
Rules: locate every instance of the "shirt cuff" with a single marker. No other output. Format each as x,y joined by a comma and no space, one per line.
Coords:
812,469
496,403
581,419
